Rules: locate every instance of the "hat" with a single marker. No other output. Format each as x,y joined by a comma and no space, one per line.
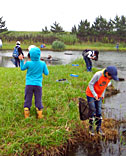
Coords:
18,43
112,70
31,46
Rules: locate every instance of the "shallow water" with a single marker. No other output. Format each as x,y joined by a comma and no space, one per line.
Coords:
115,106
58,57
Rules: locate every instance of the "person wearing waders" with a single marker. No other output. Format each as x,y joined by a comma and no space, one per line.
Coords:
88,56
35,68
95,94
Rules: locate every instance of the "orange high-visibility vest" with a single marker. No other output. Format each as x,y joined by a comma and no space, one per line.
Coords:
99,87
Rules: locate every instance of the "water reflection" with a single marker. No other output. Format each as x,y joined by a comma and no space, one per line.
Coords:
103,148
58,58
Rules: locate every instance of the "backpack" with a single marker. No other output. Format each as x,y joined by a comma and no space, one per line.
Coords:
85,52
83,109
15,52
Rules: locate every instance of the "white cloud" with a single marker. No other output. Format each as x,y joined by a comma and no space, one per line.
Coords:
33,15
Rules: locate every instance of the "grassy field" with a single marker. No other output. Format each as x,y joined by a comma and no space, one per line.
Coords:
20,136
80,47
71,41
61,125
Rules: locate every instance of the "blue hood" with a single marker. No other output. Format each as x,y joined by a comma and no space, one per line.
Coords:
35,54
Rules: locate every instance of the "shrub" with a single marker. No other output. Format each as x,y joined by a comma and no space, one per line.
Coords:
68,39
58,45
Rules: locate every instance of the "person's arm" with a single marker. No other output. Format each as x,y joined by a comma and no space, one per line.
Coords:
45,71
95,78
91,55
20,51
22,65
103,94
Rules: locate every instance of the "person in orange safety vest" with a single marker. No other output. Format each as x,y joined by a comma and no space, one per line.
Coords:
95,94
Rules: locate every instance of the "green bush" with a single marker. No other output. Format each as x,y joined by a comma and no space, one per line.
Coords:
68,39
58,45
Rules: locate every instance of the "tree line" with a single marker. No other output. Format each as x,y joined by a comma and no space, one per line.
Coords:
2,25
101,30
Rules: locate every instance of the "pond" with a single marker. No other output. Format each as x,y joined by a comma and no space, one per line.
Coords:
57,57
114,107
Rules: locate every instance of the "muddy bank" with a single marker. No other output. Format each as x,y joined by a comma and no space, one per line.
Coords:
111,91
79,136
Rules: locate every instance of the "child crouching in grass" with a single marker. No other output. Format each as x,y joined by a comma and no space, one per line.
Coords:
35,68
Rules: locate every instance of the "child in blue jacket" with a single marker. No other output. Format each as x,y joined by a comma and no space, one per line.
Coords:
35,68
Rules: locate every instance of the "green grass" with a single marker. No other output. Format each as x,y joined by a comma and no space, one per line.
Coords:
60,108
96,46
82,46
71,41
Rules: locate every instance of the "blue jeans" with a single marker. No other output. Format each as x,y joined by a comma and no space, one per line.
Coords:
94,107
95,112
17,62
88,63
29,91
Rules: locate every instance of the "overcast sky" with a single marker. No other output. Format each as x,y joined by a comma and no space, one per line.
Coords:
33,15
